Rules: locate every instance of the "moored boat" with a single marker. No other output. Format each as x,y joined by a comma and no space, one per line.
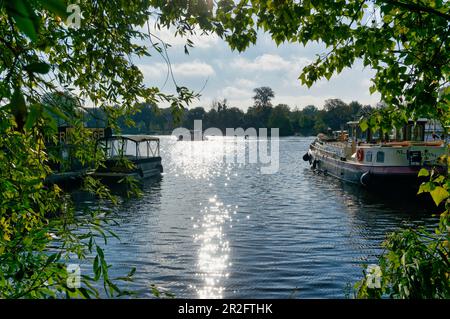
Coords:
136,156
376,161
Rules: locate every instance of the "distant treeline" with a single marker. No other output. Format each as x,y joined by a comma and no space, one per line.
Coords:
307,121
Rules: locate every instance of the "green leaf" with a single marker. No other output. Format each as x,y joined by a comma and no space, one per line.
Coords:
26,19
34,114
54,110
132,272
38,67
439,179
113,287
96,268
18,108
58,7
52,258
425,187
424,172
155,291
363,125
100,253
439,194
84,292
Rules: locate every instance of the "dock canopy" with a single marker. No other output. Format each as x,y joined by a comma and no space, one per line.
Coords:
134,138
137,146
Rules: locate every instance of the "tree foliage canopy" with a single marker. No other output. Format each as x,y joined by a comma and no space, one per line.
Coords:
263,96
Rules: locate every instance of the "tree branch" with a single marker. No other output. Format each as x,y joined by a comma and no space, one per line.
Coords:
418,8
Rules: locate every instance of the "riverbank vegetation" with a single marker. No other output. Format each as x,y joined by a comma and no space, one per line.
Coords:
307,121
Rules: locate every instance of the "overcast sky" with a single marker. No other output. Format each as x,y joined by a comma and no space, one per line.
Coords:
216,71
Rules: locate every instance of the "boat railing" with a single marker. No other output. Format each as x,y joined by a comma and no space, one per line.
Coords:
116,146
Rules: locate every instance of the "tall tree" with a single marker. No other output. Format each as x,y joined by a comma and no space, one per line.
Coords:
262,105
279,118
338,113
263,96
191,115
307,120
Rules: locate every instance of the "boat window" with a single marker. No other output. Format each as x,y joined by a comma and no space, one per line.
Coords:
362,136
369,156
380,157
115,148
391,135
418,133
400,134
375,136
415,132
351,133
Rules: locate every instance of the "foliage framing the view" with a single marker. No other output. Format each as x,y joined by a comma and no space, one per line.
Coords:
405,42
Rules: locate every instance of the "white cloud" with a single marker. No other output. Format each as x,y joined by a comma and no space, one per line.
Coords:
266,62
187,69
232,92
270,62
366,84
202,41
192,69
233,75
245,83
151,71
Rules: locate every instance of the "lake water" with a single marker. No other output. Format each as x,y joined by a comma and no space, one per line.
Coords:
213,229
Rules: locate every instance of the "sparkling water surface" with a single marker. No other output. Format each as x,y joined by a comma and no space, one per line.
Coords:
211,228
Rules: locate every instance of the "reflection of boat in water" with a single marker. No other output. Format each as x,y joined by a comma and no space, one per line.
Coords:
194,135
372,160
135,156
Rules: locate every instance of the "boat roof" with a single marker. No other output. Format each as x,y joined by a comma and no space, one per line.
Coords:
420,120
134,138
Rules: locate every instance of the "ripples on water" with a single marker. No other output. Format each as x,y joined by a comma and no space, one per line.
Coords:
212,229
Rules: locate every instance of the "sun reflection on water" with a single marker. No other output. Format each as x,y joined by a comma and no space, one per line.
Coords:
213,257
198,160
205,162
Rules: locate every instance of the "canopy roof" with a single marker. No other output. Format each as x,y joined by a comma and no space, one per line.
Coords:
420,120
134,138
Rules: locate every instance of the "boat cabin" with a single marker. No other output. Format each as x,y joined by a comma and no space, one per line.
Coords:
413,131
143,151
131,146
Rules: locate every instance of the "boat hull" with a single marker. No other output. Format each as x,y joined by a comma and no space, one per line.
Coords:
381,177
144,168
